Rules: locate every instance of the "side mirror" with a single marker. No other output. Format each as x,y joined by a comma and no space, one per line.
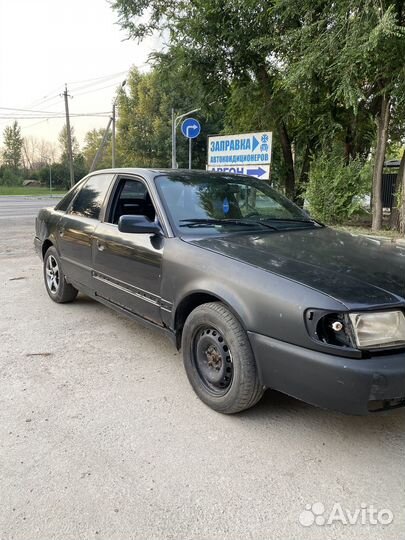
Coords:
138,224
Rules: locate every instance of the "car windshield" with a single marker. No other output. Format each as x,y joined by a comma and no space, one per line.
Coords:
216,202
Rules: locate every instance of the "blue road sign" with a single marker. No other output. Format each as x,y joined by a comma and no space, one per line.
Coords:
191,128
241,153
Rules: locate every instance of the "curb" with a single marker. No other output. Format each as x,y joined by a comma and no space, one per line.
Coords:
385,240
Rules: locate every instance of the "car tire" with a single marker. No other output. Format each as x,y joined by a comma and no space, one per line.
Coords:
219,360
58,289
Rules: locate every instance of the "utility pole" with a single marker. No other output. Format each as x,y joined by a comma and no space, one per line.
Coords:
113,137
114,119
174,165
69,138
50,177
100,151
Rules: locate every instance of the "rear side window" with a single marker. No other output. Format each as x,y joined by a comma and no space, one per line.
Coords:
64,203
90,199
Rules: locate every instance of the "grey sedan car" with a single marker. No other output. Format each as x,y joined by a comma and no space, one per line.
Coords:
256,293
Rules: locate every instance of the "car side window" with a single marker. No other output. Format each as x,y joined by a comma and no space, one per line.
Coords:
131,198
64,203
90,199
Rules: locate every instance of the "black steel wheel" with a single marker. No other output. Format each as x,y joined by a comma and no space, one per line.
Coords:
213,360
55,282
218,359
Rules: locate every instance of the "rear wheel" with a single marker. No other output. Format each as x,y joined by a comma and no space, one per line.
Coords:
219,360
55,282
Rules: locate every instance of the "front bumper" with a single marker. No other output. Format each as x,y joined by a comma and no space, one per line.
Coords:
353,386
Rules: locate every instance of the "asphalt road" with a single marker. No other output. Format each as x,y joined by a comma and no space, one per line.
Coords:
24,206
102,436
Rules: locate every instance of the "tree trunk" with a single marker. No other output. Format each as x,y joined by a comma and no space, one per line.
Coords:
401,187
288,160
304,176
348,144
265,82
395,219
382,134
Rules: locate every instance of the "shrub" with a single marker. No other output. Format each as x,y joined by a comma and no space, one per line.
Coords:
10,178
336,189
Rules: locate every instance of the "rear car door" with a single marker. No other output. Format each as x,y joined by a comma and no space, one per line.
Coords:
76,227
127,266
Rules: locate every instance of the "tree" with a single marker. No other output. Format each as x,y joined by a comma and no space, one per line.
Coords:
145,110
401,193
63,143
324,75
13,143
79,167
37,153
92,142
222,41
351,46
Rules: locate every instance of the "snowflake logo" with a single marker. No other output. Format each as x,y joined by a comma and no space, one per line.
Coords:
265,138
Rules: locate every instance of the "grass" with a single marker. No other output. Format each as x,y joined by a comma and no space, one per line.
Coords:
31,191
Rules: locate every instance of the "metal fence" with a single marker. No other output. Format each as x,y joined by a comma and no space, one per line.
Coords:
388,189
388,183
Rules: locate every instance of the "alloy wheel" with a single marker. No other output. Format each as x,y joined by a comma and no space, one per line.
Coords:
52,274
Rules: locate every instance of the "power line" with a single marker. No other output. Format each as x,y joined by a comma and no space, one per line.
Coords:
28,110
97,89
101,114
35,124
47,97
96,83
111,75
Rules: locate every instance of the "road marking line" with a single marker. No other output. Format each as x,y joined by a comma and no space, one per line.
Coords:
19,217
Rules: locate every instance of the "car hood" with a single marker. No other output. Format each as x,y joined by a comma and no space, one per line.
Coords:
358,271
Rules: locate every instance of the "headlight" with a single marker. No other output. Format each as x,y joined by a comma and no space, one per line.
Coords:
380,329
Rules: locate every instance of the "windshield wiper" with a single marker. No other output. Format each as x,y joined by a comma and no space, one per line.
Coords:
292,220
207,222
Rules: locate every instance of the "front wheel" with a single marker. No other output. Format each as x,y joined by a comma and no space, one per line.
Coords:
218,359
55,282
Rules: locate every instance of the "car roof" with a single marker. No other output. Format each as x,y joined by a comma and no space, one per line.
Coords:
153,172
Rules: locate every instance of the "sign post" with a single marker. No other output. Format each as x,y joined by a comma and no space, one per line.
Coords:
244,153
190,128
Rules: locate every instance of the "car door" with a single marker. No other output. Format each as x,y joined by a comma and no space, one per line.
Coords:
76,227
127,266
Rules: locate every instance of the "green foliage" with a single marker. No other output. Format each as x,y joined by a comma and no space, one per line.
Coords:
13,143
336,189
145,115
10,177
92,143
314,71
63,143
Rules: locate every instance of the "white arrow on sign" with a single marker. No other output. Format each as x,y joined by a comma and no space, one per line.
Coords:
194,126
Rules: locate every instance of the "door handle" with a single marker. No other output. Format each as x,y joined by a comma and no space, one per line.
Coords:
100,245
61,232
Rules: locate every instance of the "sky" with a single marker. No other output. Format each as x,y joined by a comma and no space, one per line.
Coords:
47,43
